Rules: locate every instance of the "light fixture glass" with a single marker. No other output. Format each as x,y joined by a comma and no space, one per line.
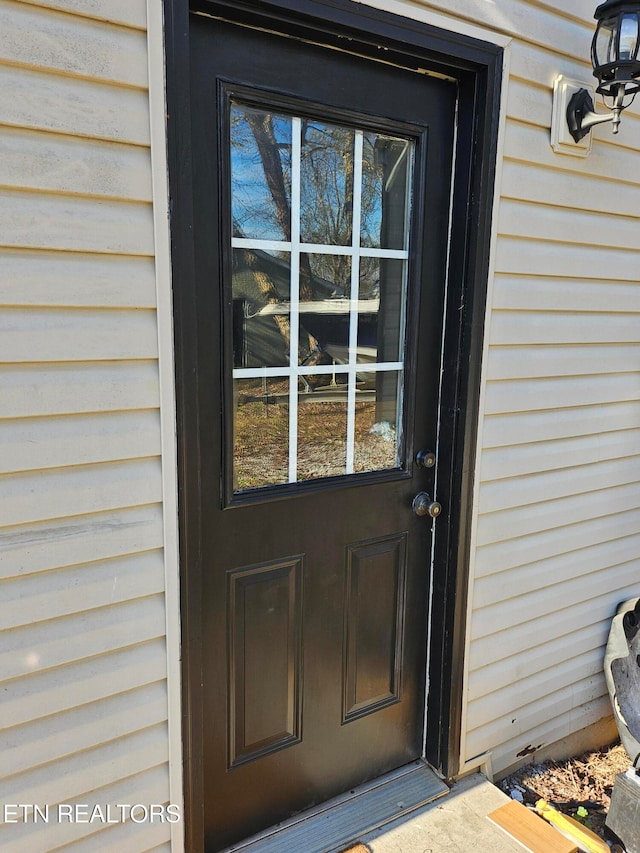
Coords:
628,37
614,51
615,58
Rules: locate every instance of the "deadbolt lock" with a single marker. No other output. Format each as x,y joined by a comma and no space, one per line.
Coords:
423,505
426,458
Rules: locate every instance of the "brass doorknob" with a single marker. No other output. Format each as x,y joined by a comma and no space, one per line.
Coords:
423,505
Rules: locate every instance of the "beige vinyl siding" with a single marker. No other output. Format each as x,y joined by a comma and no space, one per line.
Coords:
558,492
83,658
557,508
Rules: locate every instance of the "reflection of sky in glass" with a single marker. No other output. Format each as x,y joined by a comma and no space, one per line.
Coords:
260,174
628,36
348,418
326,183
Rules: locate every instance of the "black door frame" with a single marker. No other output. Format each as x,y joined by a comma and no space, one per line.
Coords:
477,68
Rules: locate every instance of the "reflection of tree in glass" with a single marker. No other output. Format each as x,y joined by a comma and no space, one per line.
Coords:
384,191
260,174
261,195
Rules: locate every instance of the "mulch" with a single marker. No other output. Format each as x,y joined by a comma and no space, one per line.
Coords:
584,782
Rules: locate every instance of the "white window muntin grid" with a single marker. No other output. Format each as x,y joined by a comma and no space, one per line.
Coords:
355,251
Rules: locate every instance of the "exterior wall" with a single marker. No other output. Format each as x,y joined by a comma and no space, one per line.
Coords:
83,660
558,498
557,510
83,572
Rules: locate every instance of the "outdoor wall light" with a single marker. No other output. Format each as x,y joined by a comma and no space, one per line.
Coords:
616,65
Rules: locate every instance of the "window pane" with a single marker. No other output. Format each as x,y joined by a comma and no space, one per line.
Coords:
260,174
378,421
260,432
381,309
325,288
326,183
322,432
260,289
386,166
343,412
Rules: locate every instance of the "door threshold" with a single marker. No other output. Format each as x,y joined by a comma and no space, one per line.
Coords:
342,820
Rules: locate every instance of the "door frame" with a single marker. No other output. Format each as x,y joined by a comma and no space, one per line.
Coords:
476,66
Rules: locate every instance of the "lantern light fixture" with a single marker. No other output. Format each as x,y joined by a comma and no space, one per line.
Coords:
615,56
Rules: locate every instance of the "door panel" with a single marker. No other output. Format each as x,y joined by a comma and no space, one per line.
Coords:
320,289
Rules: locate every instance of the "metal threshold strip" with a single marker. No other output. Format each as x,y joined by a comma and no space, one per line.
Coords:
343,820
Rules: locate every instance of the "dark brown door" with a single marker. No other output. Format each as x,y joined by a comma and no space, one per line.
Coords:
322,184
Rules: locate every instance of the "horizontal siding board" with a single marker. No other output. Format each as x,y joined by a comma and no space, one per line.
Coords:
40,101
80,334
542,327
559,674
31,444
529,395
126,12
502,430
56,543
148,786
53,163
66,223
69,44
538,66
552,455
74,491
545,27
500,675
550,731
530,144
605,557
83,772
547,360
533,104
58,279
525,550
562,702
528,293
522,256
529,102
545,486
128,837
34,390
57,642
496,617
541,65
58,736
543,184
83,653
567,225
43,694
522,521
77,589
520,639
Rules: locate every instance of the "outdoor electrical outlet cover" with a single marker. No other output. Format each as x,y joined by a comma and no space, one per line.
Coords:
561,140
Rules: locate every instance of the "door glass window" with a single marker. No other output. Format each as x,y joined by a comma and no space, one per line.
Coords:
320,224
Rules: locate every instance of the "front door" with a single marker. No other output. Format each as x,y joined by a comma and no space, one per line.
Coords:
321,186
